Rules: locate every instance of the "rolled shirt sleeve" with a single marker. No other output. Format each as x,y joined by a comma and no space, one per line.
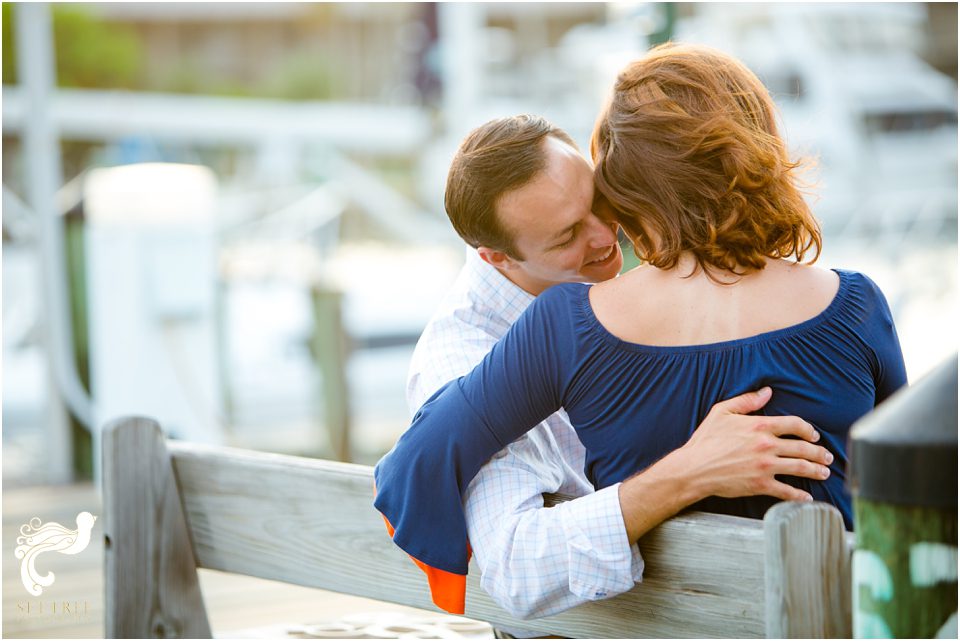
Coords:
538,561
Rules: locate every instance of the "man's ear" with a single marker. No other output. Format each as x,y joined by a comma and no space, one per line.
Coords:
496,258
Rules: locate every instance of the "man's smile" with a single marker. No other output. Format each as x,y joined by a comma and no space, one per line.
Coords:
608,256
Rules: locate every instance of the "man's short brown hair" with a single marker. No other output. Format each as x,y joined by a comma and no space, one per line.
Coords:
495,158
688,155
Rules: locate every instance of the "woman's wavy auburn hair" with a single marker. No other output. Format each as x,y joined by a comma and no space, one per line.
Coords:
688,156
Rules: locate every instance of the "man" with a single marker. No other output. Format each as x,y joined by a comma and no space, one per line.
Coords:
521,195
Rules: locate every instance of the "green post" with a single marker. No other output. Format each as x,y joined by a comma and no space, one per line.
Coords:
664,32
77,288
903,476
330,348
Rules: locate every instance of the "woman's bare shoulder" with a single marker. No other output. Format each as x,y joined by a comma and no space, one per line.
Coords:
799,291
812,277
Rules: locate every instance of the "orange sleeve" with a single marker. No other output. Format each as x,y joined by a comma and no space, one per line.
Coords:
447,590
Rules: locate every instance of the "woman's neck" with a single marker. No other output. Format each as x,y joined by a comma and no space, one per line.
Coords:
689,267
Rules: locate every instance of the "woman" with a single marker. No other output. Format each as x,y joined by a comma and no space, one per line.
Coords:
689,163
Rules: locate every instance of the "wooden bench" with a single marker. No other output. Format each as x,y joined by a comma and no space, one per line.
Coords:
171,507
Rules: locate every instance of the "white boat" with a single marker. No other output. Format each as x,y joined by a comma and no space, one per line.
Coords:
855,94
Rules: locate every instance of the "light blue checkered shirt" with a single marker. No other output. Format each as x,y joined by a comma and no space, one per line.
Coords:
534,561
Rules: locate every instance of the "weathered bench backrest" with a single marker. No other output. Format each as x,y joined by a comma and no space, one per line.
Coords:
171,507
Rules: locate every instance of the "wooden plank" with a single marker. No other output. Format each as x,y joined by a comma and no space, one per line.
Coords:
312,522
151,582
808,554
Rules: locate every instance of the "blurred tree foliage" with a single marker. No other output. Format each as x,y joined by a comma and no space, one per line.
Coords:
94,54
295,76
89,53
301,77
9,64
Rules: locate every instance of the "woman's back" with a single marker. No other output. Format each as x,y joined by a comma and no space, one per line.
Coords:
824,341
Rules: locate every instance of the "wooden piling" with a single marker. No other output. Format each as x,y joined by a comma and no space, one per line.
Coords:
903,477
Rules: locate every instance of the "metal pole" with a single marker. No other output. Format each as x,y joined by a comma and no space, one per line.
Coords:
35,66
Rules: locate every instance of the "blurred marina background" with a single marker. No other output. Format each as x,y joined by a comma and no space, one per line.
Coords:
229,216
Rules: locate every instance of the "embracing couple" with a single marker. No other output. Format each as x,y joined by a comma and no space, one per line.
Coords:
722,374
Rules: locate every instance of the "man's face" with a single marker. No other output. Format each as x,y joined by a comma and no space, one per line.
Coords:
555,231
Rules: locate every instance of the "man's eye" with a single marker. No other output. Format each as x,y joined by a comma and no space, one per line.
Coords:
565,243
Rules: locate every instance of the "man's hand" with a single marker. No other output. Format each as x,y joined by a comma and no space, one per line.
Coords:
730,454
737,455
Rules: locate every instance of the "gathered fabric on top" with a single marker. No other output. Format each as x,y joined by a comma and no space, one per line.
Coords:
632,404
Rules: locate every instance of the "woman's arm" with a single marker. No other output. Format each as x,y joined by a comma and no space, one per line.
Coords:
421,481
890,373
